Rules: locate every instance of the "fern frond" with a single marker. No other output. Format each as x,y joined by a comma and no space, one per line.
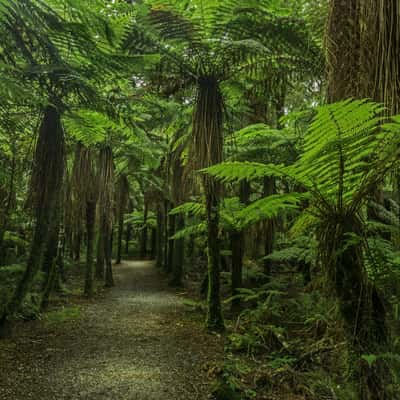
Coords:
193,230
271,207
190,208
237,171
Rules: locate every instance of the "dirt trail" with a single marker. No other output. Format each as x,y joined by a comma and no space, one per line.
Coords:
137,343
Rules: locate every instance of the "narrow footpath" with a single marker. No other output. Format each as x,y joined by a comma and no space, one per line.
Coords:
136,343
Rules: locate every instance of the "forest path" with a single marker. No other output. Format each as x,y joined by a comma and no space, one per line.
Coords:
136,343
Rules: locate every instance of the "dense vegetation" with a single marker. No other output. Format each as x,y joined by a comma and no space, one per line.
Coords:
251,148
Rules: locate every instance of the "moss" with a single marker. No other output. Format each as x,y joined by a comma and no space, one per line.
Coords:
62,315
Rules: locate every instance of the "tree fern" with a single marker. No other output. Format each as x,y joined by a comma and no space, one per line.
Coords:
347,150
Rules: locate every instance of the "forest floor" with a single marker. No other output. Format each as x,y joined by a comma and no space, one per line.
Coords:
134,342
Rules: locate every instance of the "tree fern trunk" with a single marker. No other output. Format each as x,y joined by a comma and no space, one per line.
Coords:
160,239
179,256
60,270
362,311
100,250
153,241
208,148
144,236
109,279
120,234
90,231
78,245
343,50
171,242
238,247
236,239
128,234
50,256
122,201
214,318
352,49
166,242
5,214
45,190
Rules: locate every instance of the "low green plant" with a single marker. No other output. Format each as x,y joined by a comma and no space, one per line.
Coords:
62,315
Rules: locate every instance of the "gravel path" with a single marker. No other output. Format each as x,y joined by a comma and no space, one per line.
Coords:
136,343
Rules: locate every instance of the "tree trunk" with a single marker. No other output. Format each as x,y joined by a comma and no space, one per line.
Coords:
179,256
128,234
362,311
78,245
352,50
165,235
108,239
119,239
160,239
90,231
343,50
5,214
143,242
214,313
60,271
49,264
208,142
171,242
100,250
122,201
238,246
46,185
236,239
153,248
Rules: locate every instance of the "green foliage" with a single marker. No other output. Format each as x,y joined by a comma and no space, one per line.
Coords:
63,315
190,209
229,385
137,220
191,230
9,276
263,59
262,143
331,168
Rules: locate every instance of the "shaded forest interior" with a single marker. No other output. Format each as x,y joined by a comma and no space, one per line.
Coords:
200,199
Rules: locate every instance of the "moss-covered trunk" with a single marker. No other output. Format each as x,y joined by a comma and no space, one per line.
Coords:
106,207
108,239
361,307
128,235
369,32
77,244
165,234
343,45
236,239
90,232
171,242
179,255
144,235
153,243
46,184
207,148
50,258
214,312
159,238
6,212
122,203
100,250
119,238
